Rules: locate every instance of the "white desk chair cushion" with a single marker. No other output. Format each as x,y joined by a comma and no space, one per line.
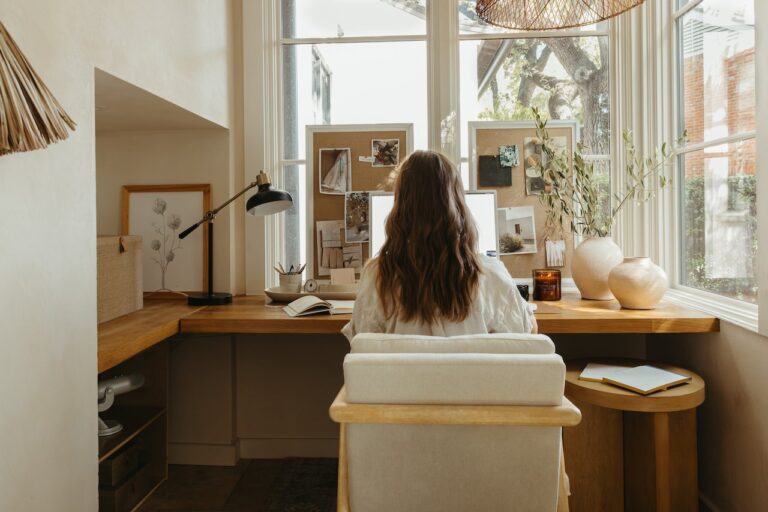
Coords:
502,343
489,379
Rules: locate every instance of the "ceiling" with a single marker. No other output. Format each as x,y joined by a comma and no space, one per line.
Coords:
121,106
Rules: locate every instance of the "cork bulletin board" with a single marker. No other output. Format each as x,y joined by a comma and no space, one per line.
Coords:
365,176
485,139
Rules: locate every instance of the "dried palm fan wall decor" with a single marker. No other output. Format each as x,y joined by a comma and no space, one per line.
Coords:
30,117
550,14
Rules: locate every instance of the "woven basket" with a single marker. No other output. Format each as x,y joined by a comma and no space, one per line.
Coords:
119,278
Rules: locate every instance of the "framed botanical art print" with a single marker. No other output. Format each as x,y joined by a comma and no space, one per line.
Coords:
158,213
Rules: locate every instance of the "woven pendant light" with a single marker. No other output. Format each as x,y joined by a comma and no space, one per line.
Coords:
550,14
30,117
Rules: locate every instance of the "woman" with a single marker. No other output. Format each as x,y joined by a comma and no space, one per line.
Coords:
429,278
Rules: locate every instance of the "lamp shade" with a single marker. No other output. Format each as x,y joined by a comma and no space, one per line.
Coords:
550,14
268,201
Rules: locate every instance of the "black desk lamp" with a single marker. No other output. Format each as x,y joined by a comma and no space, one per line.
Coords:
264,202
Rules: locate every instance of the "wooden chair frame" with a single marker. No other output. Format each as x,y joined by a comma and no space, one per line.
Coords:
343,413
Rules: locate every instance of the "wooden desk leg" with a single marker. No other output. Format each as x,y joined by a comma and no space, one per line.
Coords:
594,459
660,462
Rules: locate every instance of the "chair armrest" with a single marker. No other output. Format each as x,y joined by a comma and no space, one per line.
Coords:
563,415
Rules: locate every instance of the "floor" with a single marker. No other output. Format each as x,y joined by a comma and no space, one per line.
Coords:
263,485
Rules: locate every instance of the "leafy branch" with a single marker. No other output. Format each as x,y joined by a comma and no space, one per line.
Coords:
573,199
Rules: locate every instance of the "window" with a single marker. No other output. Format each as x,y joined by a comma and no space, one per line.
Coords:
347,62
716,82
366,61
565,76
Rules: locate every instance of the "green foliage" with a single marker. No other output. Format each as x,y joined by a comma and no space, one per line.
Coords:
576,201
694,248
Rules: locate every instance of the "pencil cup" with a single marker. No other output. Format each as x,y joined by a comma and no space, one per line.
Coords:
290,283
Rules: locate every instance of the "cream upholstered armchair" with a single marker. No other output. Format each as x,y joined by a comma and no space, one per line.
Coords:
469,423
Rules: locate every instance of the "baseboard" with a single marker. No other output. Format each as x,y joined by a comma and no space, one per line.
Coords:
294,447
203,454
706,505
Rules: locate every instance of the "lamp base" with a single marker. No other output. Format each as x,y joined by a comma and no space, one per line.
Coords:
206,299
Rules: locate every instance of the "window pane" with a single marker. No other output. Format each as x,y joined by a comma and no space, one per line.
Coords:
718,69
294,243
603,180
360,83
469,22
565,77
338,18
719,252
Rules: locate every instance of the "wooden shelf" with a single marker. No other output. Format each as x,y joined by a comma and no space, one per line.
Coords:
135,420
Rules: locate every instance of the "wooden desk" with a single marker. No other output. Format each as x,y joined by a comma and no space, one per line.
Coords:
122,338
133,343
570,315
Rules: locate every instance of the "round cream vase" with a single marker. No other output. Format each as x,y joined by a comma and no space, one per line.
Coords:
638,283
593,260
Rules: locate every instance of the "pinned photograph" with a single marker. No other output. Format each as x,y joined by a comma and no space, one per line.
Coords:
533,161
332,251
534,186
560,145
491,173
335,170
508,156
385,152
517,231
356,215
555,253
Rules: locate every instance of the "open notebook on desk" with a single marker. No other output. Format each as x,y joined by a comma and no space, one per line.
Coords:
311,305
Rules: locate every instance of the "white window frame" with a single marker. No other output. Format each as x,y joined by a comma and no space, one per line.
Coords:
263,102
667,208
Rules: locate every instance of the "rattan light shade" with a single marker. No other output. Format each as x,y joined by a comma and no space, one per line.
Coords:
30,117
550,14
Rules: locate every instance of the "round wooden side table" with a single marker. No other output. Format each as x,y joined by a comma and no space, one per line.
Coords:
632,452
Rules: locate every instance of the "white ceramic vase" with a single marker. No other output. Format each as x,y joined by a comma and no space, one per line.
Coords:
638,283
592,261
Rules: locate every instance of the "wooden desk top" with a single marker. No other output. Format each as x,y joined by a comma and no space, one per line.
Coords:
250,315
678,398
124,337
570,315
573,314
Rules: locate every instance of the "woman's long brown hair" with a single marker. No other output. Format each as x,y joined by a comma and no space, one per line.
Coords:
428,267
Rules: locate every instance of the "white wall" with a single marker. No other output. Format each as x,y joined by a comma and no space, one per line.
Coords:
733,420
180,50
174,156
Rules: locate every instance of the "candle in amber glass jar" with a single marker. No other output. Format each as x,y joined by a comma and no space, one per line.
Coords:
546,284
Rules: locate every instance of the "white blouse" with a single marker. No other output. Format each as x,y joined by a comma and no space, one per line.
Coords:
498,307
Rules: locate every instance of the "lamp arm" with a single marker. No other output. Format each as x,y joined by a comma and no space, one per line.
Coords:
211,214
233,198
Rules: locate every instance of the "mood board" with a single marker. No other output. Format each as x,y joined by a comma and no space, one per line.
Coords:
344,162
503,156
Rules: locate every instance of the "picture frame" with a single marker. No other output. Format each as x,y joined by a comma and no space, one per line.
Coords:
158,213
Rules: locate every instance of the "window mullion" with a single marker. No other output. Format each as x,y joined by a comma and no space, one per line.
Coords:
761,84
443,77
